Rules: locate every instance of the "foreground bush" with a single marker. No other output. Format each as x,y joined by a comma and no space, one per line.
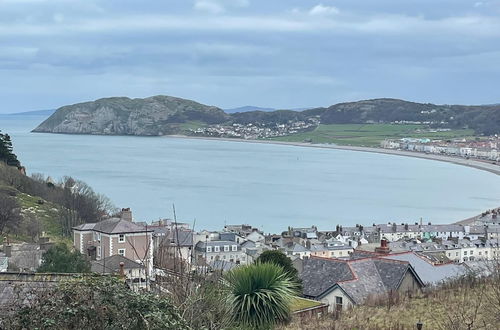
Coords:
94,302
259,295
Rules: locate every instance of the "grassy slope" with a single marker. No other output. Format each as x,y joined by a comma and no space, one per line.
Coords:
434,309
47,213
368,134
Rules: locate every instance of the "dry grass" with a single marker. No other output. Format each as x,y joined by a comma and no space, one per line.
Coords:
465,304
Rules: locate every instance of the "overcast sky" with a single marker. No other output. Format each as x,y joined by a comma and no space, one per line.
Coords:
229,53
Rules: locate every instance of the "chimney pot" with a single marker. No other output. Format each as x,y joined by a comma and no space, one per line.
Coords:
126,214
122,271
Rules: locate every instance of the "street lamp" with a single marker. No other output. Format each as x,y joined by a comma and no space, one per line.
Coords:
419,325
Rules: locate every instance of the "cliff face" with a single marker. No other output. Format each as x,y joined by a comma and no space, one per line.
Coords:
157,115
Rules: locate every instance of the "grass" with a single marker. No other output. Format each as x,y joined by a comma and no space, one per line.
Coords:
451,307
302,303
369,135
185,127
47,213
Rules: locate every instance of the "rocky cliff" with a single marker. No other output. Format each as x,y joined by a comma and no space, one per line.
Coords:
157,115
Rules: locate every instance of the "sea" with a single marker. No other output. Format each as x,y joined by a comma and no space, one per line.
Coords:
212,183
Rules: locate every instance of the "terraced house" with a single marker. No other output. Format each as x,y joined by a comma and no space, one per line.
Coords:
228,251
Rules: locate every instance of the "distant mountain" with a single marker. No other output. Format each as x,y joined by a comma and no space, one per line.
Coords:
483,119
248,108
157,115
34,113
163,115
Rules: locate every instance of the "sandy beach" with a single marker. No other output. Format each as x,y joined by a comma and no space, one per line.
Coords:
480,165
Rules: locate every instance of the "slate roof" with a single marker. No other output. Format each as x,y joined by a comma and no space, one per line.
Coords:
119,226
429,273
111,265
222,265
181,237
359,278
319,275
85,227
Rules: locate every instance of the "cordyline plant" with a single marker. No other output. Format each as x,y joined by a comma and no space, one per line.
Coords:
94,302
259,295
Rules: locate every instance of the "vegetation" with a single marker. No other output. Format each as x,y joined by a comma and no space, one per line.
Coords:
370,134
30,205
466,303
6,151
160,115
94,302
279,258
301,303
57,207
60,259
482,119
260,295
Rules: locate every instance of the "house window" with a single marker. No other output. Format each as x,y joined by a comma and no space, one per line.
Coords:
121,252
209,249
338,303
121,238
216,248
235,248
226,248
98,251
465,253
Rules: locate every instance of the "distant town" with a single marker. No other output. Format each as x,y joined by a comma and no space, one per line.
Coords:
255,131
478,148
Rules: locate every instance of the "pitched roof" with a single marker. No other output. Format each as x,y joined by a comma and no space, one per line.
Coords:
119,226
85,226
359,278
319,275
181,237
429,273
111,264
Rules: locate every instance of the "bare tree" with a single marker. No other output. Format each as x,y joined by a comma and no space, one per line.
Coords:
10,216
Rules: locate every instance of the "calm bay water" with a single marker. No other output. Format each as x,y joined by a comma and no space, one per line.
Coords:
269,186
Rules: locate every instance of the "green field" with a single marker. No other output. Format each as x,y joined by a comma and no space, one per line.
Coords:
369,135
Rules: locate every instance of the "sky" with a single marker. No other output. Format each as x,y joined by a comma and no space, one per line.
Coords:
230,53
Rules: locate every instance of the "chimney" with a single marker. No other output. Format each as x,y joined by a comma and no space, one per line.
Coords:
122,271
7,248
383,249
126,214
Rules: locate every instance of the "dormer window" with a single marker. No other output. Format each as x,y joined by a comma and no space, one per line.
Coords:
209,249
226,248
216,249
235,248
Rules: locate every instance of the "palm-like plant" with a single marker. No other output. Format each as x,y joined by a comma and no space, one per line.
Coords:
260,295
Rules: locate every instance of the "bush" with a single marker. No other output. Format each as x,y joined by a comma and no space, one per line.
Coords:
94,302
60,259
260,295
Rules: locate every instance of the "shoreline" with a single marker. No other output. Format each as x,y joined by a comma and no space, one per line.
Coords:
477,164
